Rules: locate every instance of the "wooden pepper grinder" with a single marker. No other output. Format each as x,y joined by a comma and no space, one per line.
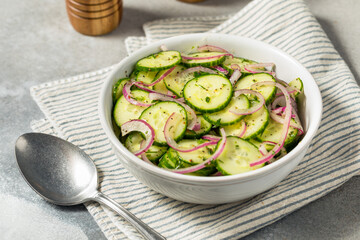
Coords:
94,17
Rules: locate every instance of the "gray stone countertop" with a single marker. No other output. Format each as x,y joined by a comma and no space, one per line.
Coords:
38,44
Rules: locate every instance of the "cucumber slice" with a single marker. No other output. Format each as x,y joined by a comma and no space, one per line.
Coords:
268,92
172,160
224,117
257,143
176,81
255,124
115,127
237,156
146,77
209,93
204,129
235,129
298,84
157,115
133,142
167,162
133,74
159,61
236,60
125,111
273,133
197,156
118,88
204,62
160,87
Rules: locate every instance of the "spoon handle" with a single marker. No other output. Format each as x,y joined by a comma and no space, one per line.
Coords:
144,229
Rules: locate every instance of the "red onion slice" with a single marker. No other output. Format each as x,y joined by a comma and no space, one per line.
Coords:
254,68
290,90
243,128
129,98
140,85
246,68
216,154
280,101
193,123
279,119
235,76
181,100
171,123
160,78
138,125
144,157
251,110
143,154
267,157
280,111
211,137
197,125
261,65
170,94
222,70
198,69
206,58
285,84
211,48
235,66
262,149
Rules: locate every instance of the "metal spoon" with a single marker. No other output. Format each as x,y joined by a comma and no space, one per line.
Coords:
63,174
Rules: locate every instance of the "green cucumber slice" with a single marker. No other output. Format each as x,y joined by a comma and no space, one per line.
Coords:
118,88
204,129
176,81
125,111
224,117
146,77
257,143
255,124
234,129
273,133
167,162
159,61
172,160
298,84
160,87
204,62
157,115
236,60
197,156
133,142
133,74
268,92
237,156
209,93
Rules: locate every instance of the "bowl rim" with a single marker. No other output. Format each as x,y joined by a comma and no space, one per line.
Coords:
302,145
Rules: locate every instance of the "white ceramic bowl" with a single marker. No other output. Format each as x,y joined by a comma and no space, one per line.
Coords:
224,189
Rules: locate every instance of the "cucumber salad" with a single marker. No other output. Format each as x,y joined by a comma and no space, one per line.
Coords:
206,113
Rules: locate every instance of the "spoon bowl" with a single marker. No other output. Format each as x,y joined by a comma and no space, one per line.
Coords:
55,169
63,174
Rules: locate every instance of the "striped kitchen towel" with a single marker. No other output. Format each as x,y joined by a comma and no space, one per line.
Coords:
70,107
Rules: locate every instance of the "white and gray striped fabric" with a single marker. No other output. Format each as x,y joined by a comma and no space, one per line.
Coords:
70,106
